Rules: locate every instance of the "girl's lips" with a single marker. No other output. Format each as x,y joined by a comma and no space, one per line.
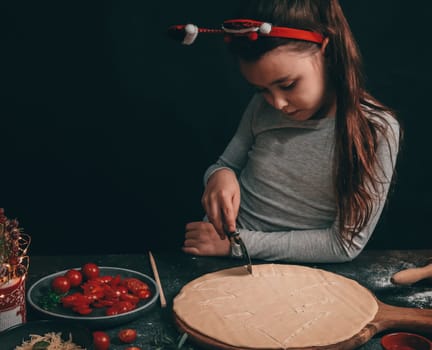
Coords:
290,113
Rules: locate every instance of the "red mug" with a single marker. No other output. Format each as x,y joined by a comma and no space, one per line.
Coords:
405,341
12,303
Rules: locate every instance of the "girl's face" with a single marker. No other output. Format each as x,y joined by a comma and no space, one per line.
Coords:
292,82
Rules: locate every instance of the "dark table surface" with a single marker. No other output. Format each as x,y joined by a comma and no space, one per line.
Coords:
156,329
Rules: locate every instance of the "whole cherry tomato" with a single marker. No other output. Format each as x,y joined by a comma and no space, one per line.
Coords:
101,340
127,335
90,271
133,348
75,277
60,285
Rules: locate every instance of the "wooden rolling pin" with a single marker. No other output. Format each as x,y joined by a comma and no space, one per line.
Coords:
413,275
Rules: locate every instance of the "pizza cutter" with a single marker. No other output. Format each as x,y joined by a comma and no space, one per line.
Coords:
235,238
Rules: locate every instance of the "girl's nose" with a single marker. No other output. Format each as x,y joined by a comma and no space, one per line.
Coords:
279,102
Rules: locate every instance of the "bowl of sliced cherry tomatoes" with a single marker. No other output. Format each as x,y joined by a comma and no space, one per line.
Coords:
98,296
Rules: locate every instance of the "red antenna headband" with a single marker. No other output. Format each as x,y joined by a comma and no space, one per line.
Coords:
246,28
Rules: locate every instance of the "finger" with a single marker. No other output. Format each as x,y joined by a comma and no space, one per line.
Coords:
191,250
191,242
205,202
215,218
219,227
213,211
190,226
236,205
193,235
231,213
229,219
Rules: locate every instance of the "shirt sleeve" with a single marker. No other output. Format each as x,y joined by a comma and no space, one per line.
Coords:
325,245
235,155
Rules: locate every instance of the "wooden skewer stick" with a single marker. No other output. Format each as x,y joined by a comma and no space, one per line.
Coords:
158,282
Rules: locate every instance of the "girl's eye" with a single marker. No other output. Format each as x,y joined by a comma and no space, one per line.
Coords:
288,87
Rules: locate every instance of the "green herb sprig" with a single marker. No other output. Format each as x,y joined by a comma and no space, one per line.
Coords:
50,301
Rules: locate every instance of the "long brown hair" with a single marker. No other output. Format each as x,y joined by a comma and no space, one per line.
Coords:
356,167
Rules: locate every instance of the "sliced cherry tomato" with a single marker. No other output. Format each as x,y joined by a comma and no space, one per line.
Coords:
127,335
135,286
101,340
111,293
124,306
60,285
122,289
132,348
93,289
111,311
90,271
130,297
103,279
82,309
144,293
76,300
68,300
75,277
135,283
115,281
98,304
104,303
120,307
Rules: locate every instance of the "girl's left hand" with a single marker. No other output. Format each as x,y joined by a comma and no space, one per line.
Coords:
202,239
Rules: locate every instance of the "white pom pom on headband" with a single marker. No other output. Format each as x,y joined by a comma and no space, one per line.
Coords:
244,27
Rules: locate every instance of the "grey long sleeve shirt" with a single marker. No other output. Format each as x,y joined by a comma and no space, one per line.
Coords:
285,170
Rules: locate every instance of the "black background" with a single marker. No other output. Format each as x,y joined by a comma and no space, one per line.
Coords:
107,126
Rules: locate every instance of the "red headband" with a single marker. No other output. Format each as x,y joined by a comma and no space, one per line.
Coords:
244,27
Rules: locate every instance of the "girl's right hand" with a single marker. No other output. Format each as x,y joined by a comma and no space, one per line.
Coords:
221,200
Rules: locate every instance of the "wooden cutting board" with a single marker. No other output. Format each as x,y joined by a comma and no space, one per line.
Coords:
387,317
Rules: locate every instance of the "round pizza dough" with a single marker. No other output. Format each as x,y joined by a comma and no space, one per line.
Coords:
277,307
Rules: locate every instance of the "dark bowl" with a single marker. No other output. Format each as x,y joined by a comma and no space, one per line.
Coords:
97,319
405,341
14,336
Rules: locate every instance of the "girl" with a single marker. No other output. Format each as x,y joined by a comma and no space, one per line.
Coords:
306,175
